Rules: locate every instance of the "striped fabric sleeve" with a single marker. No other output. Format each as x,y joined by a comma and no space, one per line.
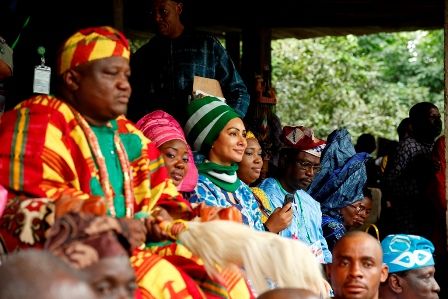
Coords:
158,278
163,192
38,156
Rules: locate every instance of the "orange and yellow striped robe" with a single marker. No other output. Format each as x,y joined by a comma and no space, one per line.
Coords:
45,153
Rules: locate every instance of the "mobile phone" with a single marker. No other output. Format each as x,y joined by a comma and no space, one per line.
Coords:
288,198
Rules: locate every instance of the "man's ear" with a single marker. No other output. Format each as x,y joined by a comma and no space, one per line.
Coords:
395,283
282,163
384,272
328,271
180,8
71,79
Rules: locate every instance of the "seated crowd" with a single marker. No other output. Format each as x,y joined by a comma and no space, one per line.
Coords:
95,206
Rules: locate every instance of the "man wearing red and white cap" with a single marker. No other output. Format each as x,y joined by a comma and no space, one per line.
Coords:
299,162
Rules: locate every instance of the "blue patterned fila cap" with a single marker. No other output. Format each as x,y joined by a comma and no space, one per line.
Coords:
406,252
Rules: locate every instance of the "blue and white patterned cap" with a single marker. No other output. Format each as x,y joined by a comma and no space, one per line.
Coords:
406,252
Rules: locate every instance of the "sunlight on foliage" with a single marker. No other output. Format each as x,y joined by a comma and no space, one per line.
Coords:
364,83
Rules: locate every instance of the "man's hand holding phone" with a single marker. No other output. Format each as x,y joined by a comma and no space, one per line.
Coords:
281,217
289,199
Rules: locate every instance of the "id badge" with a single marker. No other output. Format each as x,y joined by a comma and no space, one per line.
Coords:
41,82
316,249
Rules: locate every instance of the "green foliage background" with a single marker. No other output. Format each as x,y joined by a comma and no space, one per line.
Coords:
364,83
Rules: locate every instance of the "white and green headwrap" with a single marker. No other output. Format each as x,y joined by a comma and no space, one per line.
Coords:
206,118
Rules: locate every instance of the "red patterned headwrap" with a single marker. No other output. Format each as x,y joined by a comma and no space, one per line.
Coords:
303,139
91,44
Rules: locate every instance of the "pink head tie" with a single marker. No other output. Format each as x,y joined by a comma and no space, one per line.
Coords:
161,127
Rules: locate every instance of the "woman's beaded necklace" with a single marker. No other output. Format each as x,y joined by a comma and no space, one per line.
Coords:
104,175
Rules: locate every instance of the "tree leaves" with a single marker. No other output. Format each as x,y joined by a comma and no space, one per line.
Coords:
364,83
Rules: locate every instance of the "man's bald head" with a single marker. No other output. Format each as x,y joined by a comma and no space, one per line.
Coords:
357,268
38,274
289,293
361,239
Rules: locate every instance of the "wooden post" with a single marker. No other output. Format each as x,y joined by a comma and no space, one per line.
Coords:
233,40
445,106
118,14
256,52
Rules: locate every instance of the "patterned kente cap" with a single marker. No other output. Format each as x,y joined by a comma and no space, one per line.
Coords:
90,44
406,252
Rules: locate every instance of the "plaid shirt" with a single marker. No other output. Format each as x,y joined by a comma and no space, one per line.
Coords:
163,72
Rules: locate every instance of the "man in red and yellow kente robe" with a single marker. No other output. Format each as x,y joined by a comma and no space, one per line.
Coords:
53,161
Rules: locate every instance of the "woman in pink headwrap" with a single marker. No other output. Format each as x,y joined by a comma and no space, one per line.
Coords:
162,129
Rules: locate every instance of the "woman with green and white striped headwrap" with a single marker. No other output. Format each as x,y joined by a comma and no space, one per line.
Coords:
215,130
